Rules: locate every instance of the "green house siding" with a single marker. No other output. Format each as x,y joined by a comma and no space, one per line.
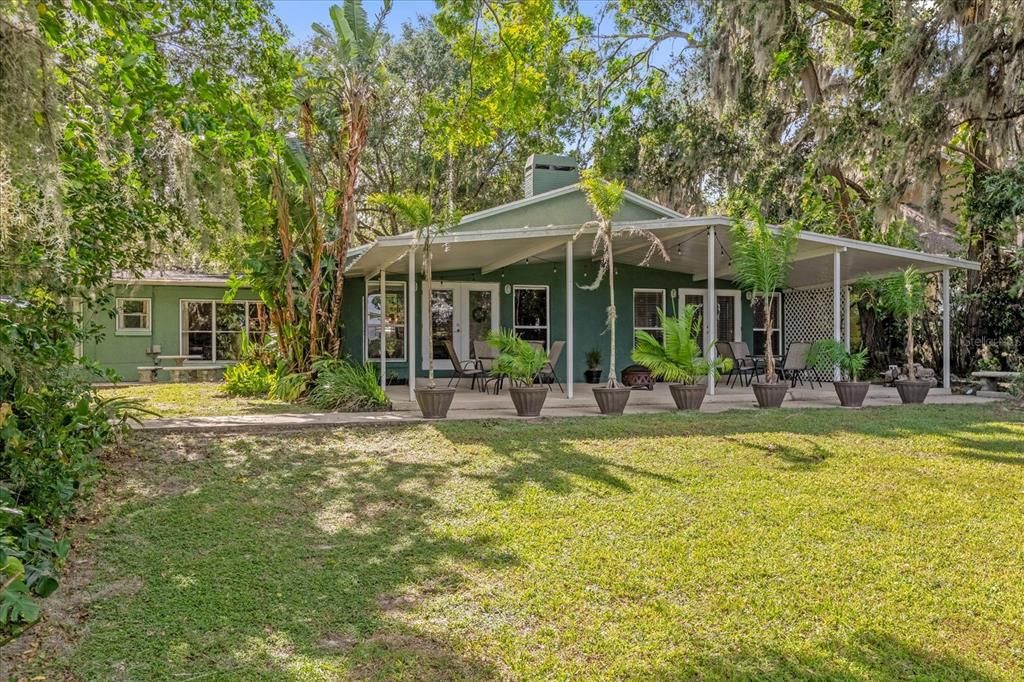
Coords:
125,352
565,209
589,308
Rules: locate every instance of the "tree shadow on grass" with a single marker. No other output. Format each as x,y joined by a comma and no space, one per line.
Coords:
800,452
866,654
990,432
535,453
288,556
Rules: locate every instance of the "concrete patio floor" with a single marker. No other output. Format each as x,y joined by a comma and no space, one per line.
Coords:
472,404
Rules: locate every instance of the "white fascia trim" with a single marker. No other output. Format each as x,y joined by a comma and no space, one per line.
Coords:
882,249
568,189
653,205
518,203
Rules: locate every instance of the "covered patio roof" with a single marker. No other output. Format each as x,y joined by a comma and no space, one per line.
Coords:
685,240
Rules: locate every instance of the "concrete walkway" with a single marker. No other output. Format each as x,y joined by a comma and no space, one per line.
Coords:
473,405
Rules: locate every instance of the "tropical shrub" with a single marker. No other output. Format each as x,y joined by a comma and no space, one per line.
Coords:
517,360
51,428
827,354
761,260
903,298
679,359
288,386
248,380
345,386
1016,387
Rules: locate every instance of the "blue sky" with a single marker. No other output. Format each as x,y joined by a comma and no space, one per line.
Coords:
299,15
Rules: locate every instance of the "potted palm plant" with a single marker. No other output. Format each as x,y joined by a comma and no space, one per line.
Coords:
520,363
827,355
592,375
679,359
414,211
903,298
605,198
761,260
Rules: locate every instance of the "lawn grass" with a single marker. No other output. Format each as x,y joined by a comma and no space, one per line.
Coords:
198,399
868,545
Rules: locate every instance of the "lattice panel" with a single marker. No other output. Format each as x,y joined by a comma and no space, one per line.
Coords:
807,316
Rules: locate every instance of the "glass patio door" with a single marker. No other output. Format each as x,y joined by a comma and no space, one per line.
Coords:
462,312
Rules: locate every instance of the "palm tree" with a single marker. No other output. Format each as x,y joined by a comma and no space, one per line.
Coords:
903,297
679,359
350,74
415,212
761,260
605,198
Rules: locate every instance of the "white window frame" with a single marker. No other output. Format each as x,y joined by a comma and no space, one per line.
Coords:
547,311
120,329
776,324
366,319
736,294
182,350
642,290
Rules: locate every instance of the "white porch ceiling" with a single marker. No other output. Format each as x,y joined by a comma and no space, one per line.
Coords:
685,239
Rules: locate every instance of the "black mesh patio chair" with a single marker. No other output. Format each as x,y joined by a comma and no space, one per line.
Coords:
742,364
462,369
794,365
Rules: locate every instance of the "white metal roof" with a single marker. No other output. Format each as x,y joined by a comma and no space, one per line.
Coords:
685,240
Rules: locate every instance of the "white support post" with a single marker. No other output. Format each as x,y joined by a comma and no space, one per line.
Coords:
383,329
946,359
846,321
570,350
710,309
837,293
410,316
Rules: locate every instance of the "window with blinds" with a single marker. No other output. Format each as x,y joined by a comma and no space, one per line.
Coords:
646,303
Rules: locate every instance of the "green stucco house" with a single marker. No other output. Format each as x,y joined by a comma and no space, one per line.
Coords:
519,266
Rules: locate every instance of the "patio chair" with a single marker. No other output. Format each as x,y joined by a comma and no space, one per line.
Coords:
485,355
549,369
794,365
742,364
462,368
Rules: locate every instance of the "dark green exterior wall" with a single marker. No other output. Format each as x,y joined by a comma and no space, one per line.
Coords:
124,353
589,307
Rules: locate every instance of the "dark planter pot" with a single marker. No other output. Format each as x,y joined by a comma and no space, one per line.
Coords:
612,400
687,396
528,399
851,393
592,376
434,402
770,395
913,391
638,376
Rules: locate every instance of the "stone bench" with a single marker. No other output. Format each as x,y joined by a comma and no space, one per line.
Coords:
147,374
990,380
194,373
